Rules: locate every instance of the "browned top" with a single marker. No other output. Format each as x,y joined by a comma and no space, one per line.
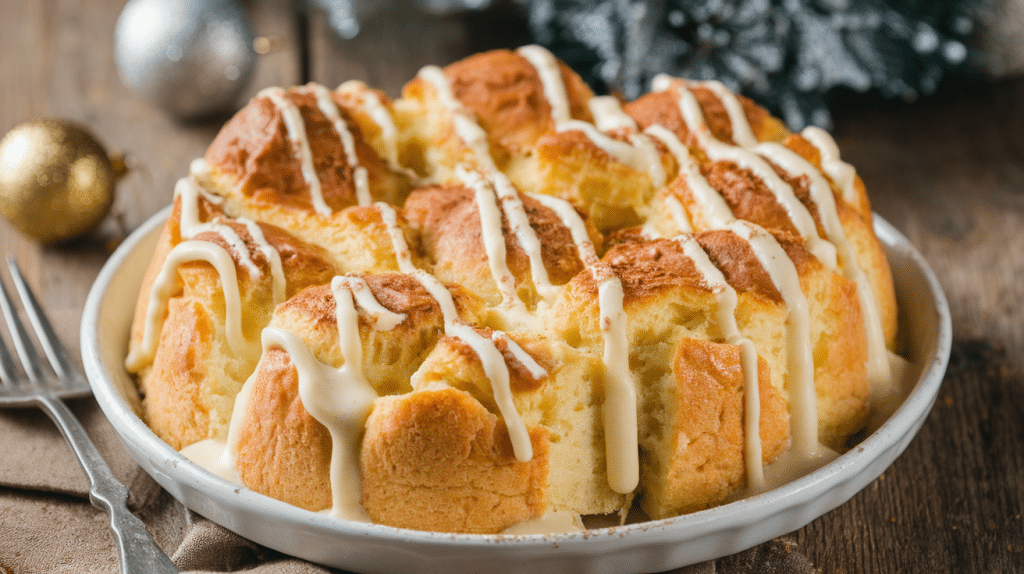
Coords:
660,108
648,268
254,147
304,264
747,195
733,256
520,378
451,233
663,108
506,93
396,292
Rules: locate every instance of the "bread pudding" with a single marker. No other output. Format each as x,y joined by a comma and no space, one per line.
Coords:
500,303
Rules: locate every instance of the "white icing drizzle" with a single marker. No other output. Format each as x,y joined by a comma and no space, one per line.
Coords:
297,135
491,230
189,225
491,358
608,114
879,371
726,318
640,155
678,212
746,159
340,399
330,109
398,244
553,521
551,78
713,206
435,76
841,172
273,257
379,113
800,359
383,318
496,371
742,133
200,168
167,283
476,139
620,420
518,220
536,371
466,127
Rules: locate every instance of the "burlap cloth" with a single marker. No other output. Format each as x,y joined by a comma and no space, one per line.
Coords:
47,524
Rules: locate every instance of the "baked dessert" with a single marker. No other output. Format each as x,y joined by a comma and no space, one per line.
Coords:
502,302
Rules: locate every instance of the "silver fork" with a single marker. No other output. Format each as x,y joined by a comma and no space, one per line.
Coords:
136,548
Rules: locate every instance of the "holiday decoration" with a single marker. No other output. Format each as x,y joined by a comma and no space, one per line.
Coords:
56,180
191,59
787,54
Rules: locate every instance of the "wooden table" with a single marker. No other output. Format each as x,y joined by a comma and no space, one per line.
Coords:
948,172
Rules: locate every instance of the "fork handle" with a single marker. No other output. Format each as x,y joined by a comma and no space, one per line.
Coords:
136,548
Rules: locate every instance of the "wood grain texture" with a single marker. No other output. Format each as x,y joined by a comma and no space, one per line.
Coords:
948,172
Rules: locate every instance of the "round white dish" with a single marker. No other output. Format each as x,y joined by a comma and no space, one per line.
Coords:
645,547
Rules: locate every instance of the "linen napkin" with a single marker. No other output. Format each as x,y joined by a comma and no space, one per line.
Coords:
47,524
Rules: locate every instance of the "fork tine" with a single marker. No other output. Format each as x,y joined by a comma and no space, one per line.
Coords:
29,358
8,372
60,359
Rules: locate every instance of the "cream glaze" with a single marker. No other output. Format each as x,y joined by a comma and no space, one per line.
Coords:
167,283
746,159
475,139
713,205
609,115
493,362
879,371
553,521
188,191
330,109
838,170
800,361
490,229
297,135
726,319
620,418
639,154
340,399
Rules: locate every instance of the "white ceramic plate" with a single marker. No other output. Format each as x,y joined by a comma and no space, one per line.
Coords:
645,547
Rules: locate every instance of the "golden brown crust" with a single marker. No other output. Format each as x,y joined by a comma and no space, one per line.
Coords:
736,260
505,92
283,452
452,239
255,151
648,268
702,458
437,460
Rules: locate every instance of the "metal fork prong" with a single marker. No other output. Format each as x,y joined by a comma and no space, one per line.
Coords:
60,359
22,344
8,372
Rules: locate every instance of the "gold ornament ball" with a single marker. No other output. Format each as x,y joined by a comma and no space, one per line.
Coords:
56,180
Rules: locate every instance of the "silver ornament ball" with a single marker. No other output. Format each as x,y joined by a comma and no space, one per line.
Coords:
192,58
